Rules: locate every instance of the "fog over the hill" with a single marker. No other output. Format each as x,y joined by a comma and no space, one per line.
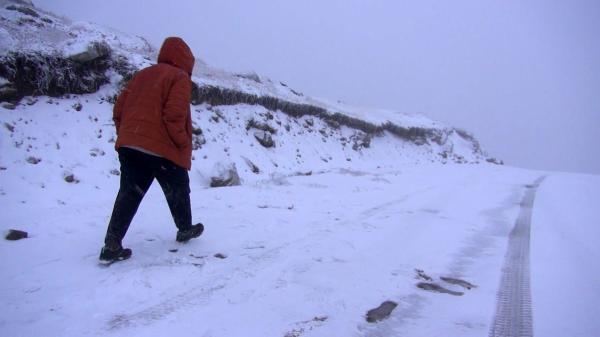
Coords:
523,77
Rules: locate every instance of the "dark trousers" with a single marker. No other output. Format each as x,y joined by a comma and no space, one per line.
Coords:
138,171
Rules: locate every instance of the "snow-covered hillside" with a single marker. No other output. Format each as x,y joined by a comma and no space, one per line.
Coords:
336,210
48,55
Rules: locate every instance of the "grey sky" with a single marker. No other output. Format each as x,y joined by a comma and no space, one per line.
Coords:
523,76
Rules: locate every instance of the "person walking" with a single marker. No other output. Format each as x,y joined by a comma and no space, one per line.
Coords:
154,140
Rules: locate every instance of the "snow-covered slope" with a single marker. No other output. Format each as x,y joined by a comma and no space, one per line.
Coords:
28,28
51,55
333,220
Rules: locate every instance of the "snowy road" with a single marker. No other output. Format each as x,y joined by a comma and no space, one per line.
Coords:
299,256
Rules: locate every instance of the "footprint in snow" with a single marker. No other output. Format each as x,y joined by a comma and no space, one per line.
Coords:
434,287
458,282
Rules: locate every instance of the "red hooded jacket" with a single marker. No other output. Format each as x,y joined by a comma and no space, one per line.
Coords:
153,111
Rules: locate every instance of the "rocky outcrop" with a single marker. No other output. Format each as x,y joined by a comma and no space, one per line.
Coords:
264,138
197,138
94,51
419,135
252,123
26,9
226,177
55,75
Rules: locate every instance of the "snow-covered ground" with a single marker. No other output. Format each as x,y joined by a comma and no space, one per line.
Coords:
309,245
565,268
304,256
325,226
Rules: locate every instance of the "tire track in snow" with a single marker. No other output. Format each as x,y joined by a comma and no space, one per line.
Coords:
513,309
377,209
199,295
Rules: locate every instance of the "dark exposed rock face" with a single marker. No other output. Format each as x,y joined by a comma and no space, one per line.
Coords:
9,93
52,75
196,96
55,75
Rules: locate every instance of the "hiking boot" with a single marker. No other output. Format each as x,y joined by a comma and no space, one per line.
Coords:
194,232
111,254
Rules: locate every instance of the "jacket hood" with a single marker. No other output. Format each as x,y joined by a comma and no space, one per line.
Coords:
176,52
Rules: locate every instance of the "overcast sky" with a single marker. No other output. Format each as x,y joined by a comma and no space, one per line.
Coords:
522,76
